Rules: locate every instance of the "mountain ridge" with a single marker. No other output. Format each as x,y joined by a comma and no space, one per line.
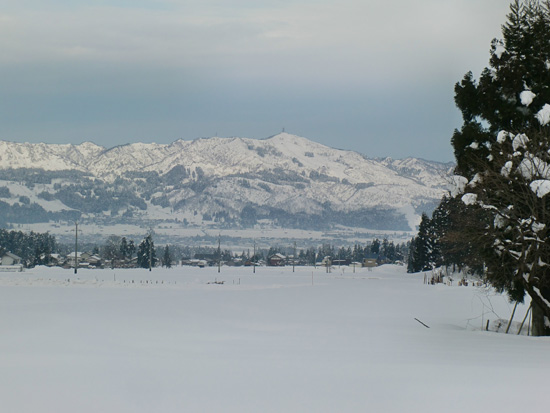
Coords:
284,179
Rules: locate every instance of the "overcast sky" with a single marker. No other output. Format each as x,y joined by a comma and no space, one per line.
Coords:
373,76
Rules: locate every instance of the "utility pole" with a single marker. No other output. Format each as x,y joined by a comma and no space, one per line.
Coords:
219,253
150,239
150,252
314,259
294,257
254,258
76,247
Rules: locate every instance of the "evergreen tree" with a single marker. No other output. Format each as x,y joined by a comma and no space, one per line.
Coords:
502,156
123,249
310,256
375,246
326,250
167,257
131,249
226,255
456,229
390,252
274,250
384,248
511,91
111,249
146,255
411,265
421,255
344,253
358,253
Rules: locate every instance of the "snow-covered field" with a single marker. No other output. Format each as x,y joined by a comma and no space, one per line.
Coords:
274,341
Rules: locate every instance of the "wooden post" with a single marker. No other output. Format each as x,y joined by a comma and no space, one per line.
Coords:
511,318
524,318
530,322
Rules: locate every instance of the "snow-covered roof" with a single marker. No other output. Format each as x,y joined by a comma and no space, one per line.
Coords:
11,255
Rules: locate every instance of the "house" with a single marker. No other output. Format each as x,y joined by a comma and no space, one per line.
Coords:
340,262
80,257
55,260
85,256
10,262
7,258
51,260
194,262
370,262
94,261
277,260
326,262
85,260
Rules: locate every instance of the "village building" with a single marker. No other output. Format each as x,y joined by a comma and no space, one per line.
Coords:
82,263
326,262
277,260
10,262
7,258
370,262
52,260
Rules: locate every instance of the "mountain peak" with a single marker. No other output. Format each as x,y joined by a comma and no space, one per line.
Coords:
288,137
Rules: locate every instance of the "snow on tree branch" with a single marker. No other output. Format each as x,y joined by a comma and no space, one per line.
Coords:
543,115
541,187
526,97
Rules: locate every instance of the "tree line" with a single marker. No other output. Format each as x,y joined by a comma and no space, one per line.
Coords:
33,248
37,249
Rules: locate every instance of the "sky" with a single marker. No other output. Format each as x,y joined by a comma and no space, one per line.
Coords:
372,76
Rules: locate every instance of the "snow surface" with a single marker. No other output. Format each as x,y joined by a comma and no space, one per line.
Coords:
274,341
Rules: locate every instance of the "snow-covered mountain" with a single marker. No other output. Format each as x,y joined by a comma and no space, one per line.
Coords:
284,180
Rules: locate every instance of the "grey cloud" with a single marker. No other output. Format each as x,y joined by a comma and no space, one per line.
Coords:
371,76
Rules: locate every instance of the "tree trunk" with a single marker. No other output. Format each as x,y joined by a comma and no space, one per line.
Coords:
539,328
540,310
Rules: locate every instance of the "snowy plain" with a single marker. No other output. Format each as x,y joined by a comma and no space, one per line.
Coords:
171,340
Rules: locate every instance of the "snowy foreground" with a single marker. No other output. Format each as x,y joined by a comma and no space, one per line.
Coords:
274,341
